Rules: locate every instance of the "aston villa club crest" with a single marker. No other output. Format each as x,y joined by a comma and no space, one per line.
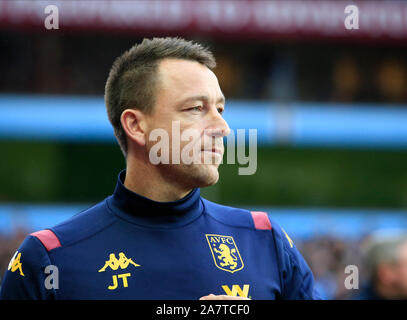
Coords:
225,252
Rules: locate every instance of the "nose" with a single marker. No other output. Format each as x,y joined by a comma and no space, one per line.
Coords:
218,127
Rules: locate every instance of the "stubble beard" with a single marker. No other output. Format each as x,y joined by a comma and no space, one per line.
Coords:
190,176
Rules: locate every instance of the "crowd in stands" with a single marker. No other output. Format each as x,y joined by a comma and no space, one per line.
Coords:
276,71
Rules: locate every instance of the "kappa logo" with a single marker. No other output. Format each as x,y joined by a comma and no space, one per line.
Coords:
113,263
225,252
15,263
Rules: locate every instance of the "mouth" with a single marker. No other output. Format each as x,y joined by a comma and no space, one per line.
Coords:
214,150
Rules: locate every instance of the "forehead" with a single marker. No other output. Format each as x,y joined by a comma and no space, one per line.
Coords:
180,79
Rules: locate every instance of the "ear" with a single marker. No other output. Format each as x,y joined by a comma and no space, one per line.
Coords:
133,123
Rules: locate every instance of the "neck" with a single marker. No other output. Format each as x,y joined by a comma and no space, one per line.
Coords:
144,178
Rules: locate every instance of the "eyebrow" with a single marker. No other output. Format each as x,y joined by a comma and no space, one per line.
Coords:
203,98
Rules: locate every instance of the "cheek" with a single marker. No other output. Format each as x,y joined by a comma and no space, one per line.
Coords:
162,126
190,134
190,144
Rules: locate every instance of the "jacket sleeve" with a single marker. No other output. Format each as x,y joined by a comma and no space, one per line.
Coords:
296,276
25,276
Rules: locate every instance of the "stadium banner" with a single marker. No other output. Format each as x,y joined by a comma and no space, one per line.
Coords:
313,19
300,222
298,124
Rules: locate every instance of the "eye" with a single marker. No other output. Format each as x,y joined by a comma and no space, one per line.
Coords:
221,110
196,108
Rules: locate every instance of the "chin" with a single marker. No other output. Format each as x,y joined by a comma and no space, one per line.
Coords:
210,181
191,176
204,176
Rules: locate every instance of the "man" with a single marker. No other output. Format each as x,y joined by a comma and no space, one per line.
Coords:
155,237
386,264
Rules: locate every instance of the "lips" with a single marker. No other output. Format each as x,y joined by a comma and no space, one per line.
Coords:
214,150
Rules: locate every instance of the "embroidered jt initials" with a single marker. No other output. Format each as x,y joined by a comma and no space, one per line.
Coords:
113,263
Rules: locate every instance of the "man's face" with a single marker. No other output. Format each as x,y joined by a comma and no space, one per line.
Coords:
188,97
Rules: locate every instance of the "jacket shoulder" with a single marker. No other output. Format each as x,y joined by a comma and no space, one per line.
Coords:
80,226
238,217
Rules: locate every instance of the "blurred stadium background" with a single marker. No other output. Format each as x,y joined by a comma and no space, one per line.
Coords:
330,106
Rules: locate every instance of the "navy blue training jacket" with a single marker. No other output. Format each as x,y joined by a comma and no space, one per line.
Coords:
131,247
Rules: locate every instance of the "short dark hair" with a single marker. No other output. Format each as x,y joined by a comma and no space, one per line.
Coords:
133,76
